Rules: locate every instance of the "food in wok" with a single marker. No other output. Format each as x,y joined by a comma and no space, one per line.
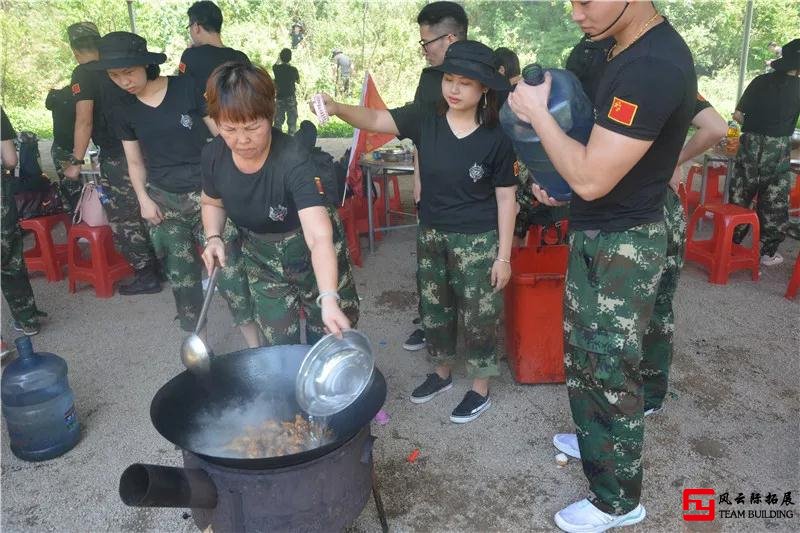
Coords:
275,439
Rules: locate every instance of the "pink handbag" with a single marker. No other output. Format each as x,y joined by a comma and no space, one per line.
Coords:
89,210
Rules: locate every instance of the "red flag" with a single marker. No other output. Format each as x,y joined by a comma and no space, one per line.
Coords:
365,141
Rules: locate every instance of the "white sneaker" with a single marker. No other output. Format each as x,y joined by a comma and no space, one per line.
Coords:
772,260
567,443
583,517
653,411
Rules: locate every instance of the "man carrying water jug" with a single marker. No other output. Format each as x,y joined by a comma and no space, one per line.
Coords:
643,106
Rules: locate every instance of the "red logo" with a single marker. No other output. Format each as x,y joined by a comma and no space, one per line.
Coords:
182,68
622,111
76,88
693,502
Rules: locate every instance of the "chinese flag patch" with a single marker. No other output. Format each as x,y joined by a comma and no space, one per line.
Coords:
622,111
76,88
182,68
516,168
701,97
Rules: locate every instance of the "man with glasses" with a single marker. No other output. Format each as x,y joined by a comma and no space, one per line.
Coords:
207,51
440,25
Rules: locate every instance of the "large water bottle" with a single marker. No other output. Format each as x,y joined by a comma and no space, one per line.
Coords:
573,111
38,404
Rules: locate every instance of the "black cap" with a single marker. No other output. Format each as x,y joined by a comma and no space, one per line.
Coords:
473,60
120,49
790,57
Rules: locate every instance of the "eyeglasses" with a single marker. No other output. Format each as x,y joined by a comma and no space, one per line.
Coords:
424,43
190,25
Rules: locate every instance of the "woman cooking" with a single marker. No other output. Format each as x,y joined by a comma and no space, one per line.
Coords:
163,128
467,210
265,182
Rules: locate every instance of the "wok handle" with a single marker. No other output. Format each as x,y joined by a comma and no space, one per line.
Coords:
143,485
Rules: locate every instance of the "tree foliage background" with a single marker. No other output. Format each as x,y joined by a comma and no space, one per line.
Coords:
379,35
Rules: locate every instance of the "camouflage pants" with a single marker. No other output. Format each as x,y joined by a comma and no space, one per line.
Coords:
16,285
608,301
762,170
176,240
70,190
657,342
282,281
530,211
286,108
130,231
454,272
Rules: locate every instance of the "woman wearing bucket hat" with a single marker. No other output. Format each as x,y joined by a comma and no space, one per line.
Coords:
164,127
768,111
467,210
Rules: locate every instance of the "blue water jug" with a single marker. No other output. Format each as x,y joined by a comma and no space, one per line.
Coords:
573,111
38,404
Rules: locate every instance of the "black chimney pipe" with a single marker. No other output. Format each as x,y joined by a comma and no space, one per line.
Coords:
144,485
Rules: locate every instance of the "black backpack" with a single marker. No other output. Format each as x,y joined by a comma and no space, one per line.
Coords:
34,194
330,173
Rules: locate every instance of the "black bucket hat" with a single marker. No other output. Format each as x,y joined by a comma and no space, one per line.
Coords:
120,49
473,60
790,59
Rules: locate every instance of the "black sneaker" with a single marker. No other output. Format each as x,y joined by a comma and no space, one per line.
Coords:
145,282
29,329
470,407
433,385
417,321
415,341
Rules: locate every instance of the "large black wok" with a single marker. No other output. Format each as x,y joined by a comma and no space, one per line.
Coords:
242,389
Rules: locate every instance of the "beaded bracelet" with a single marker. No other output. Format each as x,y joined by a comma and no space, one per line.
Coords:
323,294
215,236
503,260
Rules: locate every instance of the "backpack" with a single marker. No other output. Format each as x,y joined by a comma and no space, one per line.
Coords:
34,194
331,174
29,157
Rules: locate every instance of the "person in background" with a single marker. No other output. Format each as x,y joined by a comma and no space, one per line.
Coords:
15,283
768,112
775,52
164,127
207,51
440,25
293,241
342,69
644,104
95,95
286,80
297,35
507,64
61,105
466,216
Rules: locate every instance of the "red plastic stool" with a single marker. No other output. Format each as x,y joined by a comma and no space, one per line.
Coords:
348,219
794,282
684,197
794,194
103,268
46,256
539,235
692,196
360,215
395,201
719,254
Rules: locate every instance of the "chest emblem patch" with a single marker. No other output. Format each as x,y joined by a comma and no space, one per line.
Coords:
622,111
182,68
476,172
186,121
278,214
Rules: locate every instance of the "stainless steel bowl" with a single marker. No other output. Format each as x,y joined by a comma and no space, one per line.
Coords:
334,373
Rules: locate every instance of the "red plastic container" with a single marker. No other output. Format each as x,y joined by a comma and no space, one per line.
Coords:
534,313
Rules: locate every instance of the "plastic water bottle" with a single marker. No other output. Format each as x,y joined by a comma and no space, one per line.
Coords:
573,111
38,404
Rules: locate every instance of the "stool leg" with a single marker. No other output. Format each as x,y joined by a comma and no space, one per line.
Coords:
722,253
72,256
794,282
756,251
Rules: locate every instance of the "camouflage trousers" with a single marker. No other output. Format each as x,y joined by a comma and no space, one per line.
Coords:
657,342
176,240
70,190
16,285
282,281
454,271
130,231
286,108
762,170
610,292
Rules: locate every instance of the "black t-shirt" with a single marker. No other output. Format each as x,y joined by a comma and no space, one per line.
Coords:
458,176
62,105
429,89
700,104
587,60
286,76
95,85
7,132
266,201
771,105
171,135
200,61
647,92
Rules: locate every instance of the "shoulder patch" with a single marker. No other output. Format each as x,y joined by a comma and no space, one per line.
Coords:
701,98
516,168
622,111
182,68
76,88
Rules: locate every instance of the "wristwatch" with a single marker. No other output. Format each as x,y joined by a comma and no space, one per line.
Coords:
75,161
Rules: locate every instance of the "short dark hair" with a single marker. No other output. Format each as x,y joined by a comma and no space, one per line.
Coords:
240,92
88,43
285,55
152,71
207,15
506,58
446,15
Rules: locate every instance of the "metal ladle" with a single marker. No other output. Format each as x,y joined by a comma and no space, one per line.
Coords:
194,352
